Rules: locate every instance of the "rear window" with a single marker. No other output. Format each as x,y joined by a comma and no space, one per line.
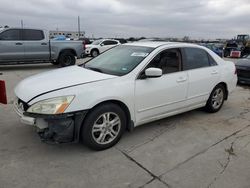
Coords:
32,34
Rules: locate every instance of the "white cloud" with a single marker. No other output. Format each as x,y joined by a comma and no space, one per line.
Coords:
110,18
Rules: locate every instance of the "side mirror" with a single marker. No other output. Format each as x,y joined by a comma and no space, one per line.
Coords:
153,72
101,44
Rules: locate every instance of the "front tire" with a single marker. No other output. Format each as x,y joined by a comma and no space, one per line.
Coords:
216,99
66,58
104,126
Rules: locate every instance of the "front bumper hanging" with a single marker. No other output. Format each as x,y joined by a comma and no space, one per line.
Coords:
60,128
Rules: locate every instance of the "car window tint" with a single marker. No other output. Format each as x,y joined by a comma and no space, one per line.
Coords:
11,34
168,60
113,42
32,34
195,58
109,42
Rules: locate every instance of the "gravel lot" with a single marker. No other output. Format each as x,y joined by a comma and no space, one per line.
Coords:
194,149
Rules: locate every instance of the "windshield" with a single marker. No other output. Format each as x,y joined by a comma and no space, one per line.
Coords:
96,42
119,60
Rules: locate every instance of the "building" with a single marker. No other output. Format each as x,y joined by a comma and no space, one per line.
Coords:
68,34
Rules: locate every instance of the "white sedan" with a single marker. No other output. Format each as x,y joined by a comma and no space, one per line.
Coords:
100,46
125,87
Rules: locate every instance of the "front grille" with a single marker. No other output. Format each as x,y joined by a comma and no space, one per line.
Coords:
243,73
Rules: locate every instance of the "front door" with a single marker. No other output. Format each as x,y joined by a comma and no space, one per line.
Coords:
11,46
165,95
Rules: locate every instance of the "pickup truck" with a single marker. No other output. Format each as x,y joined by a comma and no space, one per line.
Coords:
23,45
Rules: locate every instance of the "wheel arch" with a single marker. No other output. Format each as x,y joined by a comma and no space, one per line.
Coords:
123,106
94,49
226,88
67,50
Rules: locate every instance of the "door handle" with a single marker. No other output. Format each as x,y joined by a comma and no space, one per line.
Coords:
214,72
44,43
181,79
19,43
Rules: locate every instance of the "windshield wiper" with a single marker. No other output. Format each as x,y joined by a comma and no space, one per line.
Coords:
94,69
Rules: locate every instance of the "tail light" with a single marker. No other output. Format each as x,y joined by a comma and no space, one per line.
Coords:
83,45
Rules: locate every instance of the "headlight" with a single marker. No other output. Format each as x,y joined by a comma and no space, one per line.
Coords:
51,106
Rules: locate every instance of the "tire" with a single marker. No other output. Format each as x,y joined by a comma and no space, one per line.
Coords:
99,134
94,53
216,99
66,58
54,62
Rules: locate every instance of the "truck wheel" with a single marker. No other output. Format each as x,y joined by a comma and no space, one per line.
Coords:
216,99
55,62
94,53
66,59
103,127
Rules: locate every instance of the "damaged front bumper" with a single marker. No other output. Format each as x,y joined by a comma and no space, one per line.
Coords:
60,128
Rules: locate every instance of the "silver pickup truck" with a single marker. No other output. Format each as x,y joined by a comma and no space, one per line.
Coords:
19,45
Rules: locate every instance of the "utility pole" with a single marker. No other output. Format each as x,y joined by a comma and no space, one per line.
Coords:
79,26
22,24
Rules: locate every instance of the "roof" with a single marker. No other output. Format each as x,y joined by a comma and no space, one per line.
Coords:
157,44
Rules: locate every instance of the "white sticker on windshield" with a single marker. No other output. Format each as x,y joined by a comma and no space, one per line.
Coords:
124,69
139,54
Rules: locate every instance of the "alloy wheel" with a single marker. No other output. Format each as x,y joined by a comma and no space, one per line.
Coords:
106,128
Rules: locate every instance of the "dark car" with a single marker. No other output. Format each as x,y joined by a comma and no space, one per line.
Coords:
122,41
243,70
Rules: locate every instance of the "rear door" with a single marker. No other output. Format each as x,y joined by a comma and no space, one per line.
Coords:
203,74
158,97
36,47
11,46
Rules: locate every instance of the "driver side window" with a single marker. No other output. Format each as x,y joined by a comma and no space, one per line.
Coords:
11,34
168,60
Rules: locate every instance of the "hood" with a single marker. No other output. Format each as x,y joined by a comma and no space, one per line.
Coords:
243,63
56,79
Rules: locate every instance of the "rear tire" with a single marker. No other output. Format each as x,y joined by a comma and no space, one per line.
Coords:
103,127
66,58
94,53
216,99
54,62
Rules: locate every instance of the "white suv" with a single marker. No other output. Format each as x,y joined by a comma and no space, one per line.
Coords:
125,87
99,46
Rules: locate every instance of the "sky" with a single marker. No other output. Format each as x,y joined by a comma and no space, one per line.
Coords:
198,19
